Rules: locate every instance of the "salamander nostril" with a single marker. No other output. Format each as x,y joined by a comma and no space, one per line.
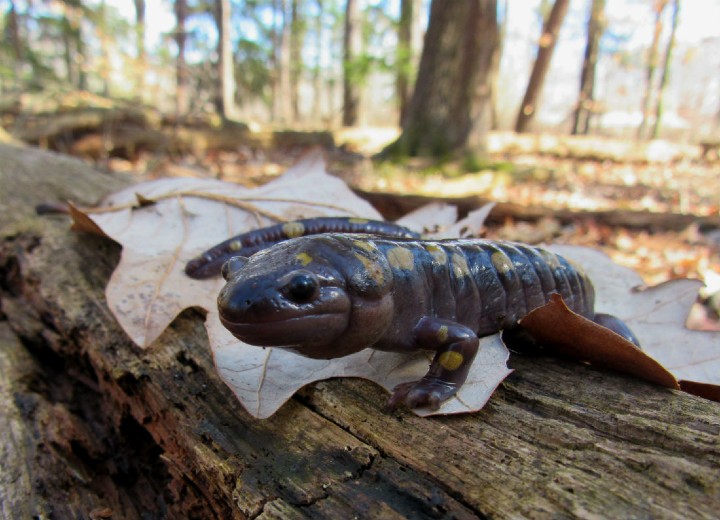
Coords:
231,305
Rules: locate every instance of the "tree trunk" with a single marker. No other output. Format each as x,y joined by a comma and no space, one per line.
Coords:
75,59
226,72
651,67
16,44
407,50
297,35
141,57
546,46
317,79
103,67
352,45
282,97
450,107
667,62
495,70
181,71
586,101
94,427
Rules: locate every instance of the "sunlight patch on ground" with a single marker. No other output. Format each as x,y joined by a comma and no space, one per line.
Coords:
367,140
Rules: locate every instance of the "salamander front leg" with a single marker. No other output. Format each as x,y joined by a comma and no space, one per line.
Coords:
456,346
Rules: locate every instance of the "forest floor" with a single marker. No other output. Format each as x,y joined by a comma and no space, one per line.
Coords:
528,177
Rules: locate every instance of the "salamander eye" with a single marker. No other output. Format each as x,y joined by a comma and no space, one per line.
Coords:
301,288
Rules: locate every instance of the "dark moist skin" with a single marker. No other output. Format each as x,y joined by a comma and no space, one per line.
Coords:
211,261
330,295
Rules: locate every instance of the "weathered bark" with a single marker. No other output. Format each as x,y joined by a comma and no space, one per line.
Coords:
651,67
546,46
450,107
181,72
586,101
667,61
94,426
352,45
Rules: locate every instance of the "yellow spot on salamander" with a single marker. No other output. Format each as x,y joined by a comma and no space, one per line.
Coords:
365,245
437,252
550,259
442,334
304,258
501,262
358,220
459,266
401,258
373,270
451,360
235,245
293,229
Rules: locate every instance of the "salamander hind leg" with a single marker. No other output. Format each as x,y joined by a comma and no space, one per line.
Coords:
617,326
455,346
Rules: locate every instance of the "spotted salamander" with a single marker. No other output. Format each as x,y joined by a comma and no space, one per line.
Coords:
209,263
330,295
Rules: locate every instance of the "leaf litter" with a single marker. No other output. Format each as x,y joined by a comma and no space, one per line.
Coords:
164,223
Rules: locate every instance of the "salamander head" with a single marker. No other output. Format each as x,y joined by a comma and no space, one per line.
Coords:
301,295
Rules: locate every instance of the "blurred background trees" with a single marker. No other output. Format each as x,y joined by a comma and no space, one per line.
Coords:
643,68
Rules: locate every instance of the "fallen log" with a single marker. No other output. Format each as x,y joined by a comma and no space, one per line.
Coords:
97,428
395,205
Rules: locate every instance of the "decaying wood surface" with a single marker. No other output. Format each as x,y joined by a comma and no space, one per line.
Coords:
94,427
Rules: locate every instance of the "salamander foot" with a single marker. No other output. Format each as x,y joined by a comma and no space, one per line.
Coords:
429,392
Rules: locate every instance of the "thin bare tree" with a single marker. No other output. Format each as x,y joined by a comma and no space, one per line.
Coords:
659,109
586,101
181,71
546,46
659,7
141,55
225,65
352,44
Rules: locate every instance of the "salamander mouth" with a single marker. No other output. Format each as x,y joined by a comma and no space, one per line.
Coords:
290,332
